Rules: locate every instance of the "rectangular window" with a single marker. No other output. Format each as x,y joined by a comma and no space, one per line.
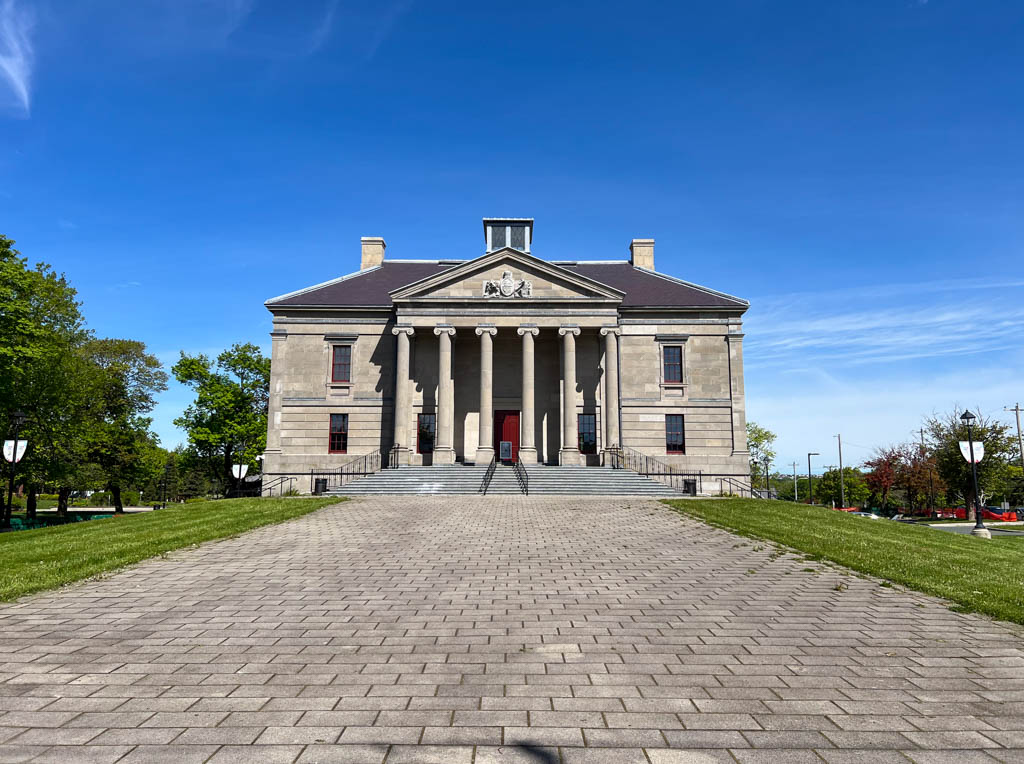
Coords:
587,428
673,355
675,441
339,434
341,364
425,428
498,237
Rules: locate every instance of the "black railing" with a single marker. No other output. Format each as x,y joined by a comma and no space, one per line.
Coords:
279,484
486,482
326,480
393,457
522,476
729,486
624,457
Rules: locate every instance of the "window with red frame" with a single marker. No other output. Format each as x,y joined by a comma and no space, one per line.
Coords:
675,440
338,443
341,364
673,355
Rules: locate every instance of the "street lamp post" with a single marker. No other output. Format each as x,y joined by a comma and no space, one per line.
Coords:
810,478
979,527
767,484
842,482
17,419
238,470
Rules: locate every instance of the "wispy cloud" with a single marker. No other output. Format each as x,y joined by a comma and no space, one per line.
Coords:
16,51
322,32
885,324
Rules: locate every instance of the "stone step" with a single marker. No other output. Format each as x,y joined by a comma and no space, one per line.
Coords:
543,480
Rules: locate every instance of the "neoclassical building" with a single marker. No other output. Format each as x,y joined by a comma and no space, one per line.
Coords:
550,361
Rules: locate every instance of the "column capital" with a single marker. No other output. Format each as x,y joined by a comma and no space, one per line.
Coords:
564,330
528,329
396,330
606,330
444,329
486,329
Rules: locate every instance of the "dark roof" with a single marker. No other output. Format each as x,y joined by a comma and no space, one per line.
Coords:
369,288
646,289
642,288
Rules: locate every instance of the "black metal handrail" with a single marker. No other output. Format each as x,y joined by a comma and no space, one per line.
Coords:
278,483
393,457
366,464
624,457
522,476
741,489
486,482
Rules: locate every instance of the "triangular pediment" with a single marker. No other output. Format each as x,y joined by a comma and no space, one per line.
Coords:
507,275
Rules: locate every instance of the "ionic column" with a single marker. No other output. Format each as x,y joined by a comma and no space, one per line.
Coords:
402,399
570,451
528,445
444,449
485,445
611,386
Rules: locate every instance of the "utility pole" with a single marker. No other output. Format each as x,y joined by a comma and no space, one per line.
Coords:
1020,441
842,482
796,493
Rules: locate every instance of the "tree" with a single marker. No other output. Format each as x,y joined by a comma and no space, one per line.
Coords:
828,490
41,326
944,433
882,476
918,476
227,422
121,442
759,443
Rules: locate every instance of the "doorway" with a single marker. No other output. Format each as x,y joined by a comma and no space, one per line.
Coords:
506,427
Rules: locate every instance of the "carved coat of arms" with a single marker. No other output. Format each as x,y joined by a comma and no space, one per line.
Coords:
507,286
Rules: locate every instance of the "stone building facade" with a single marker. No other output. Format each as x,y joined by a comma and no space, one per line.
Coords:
507,354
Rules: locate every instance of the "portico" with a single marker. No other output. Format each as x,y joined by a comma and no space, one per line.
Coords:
471,437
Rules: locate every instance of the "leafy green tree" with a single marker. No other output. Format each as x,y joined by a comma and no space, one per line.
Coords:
64,401
759,443
827,488
40,325
227,422
122,442
945,431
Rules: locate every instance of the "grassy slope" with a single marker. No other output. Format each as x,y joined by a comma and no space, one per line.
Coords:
981,576
31,561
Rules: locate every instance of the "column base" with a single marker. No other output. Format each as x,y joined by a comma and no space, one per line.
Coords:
571,457
484,455
444,455
528,455
982,533
401,456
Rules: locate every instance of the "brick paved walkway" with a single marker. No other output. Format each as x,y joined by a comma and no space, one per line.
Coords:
501,630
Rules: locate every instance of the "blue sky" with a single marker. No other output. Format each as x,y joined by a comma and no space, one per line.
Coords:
854,168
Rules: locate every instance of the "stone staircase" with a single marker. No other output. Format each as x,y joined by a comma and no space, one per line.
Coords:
544,481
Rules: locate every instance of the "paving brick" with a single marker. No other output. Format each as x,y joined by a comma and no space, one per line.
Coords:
570,629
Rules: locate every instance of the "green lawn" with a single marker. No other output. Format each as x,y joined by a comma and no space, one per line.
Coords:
31,561
980,576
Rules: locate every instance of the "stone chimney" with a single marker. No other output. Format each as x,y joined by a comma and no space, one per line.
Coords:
373,252
641,253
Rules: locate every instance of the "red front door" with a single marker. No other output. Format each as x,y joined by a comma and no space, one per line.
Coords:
506,427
